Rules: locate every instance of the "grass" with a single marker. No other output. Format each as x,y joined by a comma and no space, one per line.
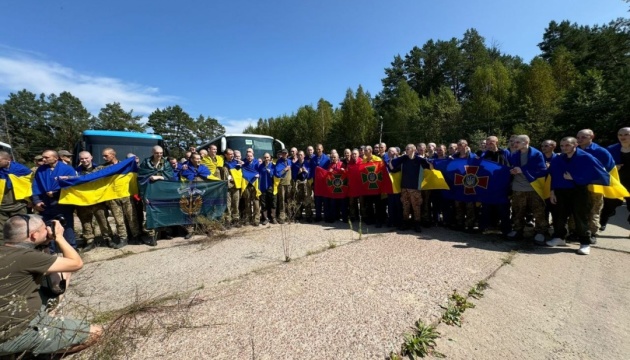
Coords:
419,343
507,260
143,318
454,309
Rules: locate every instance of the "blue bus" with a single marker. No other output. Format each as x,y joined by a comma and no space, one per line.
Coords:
123,142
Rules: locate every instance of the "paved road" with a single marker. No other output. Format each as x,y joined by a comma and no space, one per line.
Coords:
553,304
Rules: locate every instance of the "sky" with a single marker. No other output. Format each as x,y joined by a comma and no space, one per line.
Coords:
238,61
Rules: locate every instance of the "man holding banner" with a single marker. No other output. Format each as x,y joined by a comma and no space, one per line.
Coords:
528,166
47,191
412,167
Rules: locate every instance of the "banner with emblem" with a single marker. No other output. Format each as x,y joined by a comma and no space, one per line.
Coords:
475,180
331,184
171,203
369,178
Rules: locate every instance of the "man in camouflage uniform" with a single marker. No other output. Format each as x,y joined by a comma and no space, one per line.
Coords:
151,169
231,164
250,195
87,213
9,205
303,191
121,209
283,172
530,161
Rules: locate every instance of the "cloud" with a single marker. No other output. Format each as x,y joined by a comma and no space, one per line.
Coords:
233,126
27,70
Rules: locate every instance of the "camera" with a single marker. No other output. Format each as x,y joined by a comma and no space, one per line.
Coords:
51,225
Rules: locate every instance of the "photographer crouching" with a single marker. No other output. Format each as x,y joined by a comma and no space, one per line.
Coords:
29,277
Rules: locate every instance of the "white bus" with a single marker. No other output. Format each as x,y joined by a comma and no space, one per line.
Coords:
6,147
260,143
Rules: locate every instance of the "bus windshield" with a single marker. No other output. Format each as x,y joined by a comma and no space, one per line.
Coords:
242,143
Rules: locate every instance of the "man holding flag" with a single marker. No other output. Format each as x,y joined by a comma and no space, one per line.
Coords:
571,173
11,204
528,166
412,168
46,193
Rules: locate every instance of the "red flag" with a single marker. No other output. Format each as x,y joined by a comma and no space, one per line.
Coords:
331,184
369,179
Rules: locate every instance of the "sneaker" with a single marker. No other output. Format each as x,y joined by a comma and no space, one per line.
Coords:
584,250
602,228
556,242
593,240
264,222
539,239
514,235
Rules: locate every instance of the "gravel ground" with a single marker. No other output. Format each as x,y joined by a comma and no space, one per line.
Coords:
355,300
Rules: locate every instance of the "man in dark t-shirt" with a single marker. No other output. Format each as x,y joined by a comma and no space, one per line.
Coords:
25,324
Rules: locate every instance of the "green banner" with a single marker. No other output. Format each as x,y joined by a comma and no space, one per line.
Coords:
180,203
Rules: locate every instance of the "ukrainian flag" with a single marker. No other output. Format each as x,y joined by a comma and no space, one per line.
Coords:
615,190
16,177
433,180
249,177
113,182
212,166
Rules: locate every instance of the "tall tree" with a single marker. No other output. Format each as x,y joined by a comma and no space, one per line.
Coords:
113,117
24,126
175,126
67,118
206,129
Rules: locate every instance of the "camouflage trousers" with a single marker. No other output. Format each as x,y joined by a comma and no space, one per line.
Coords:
597,204
282,199
87,214
465,215
122,210
524,202
411,201
252,206
304,198
233,199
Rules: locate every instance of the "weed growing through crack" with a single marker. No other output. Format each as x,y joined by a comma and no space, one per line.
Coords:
419,343
507,260
476,292
456,306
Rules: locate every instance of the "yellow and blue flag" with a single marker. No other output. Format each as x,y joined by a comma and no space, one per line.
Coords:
113,182
16,177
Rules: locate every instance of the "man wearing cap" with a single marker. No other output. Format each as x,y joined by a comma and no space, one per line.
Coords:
65,156
9,206
38,162
282,171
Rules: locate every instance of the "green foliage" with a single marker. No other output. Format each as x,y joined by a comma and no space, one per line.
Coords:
113,117
456,306
175,126
420,343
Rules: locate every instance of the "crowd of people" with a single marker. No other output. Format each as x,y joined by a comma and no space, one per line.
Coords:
282,191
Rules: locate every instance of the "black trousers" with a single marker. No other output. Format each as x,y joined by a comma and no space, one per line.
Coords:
574,202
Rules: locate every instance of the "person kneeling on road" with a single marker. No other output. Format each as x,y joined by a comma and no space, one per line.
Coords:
26,326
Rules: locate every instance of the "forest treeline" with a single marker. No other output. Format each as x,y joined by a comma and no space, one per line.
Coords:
32,123
463,88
